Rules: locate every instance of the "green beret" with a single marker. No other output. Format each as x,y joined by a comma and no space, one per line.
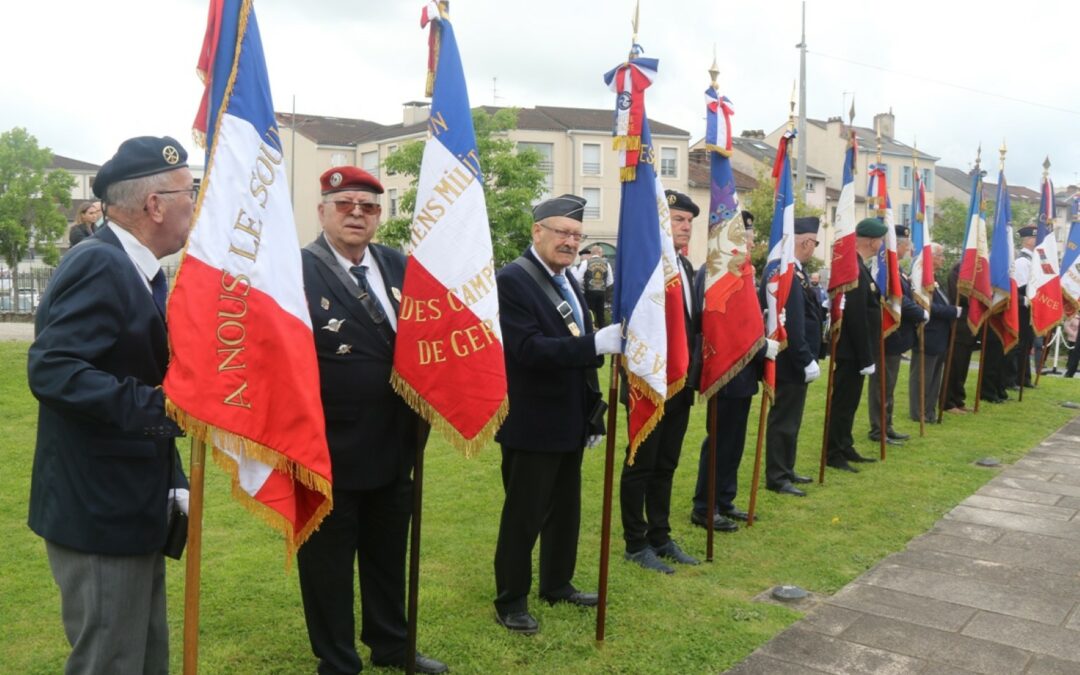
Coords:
871,227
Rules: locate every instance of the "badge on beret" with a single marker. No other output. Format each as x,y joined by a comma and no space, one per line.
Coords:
324,303
333,325
396,293
335,179
671,199
344,348
171,154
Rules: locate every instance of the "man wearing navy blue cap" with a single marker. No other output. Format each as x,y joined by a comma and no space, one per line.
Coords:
106,471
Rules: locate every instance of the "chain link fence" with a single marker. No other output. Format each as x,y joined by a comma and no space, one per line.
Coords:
21,289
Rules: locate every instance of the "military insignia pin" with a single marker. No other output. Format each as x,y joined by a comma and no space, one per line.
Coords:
170,154
324,303
344,348
333,325
335,179
396,292
671,199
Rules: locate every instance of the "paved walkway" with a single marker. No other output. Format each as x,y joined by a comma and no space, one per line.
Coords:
11,331
994,587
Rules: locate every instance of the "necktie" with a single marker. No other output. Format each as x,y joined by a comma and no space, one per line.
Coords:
360,273
564,290
159,288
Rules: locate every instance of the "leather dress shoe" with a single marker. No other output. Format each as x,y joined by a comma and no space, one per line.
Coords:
841,464
577,598
647,558
877,439
518,622
425,664
801,479
896,435
720,523
735,514
671,551
852,456
788,489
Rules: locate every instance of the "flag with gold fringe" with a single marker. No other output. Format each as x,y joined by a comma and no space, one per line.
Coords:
885,266
844,265
973,281
1004,306
922,255
1044,286
780,263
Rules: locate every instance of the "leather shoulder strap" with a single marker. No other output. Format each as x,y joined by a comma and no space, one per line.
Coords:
541,279
366,301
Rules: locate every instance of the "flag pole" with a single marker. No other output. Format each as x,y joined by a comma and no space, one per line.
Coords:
193,572
948,366
833,339
882,433
1022,371
1042,363
605,520
709,518
422,431
982,365
757,460
922,334
922,380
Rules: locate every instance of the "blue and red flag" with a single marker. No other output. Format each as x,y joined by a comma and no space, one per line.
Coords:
886,265
648,295
1070,260
1044,285
731,327
974,279
780,264
243,376
844,266
1004,308
922,257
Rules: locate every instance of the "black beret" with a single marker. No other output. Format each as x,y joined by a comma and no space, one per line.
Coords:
807,225
681,202
1026,231
567,206
747,219
871,227
139,157
902,231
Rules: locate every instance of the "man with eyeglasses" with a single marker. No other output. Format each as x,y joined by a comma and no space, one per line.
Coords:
796,368
106,471
353,289
598,281
552,355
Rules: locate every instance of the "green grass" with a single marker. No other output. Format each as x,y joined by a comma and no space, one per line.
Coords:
698,620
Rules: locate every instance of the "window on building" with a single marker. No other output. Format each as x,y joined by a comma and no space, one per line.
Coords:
390,149
369,161
809,185
590,159
905,214
338,159
392,202
669,162
592,202
929,215
905,177
928,179
547,164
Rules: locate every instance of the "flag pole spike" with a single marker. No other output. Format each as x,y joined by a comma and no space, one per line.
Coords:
1002,150
791,115
714,71
915,153
1046,166
633,40
879,200
851,111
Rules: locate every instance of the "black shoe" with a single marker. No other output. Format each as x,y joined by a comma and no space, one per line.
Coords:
877,439
788,489
801,479
646,557
576,598
518,622
841,464
896,435
426,664
671,551
735,514
720,523
852,455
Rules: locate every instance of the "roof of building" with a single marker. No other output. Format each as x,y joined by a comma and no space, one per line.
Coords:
962,180
867,139
760,151
61,162
957,177
330,130
699,173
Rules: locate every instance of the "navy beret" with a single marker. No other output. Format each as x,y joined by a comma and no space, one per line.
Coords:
902,231
139,157
566,206
807,225
871,227
349,178
681,202
747,219
1026,231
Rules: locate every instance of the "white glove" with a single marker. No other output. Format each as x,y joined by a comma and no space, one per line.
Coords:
813,372
608,340
925,316
593,441
869,370
959,312
772,348
180,497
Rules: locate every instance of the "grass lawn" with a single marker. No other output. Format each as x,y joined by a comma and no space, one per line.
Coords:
698,620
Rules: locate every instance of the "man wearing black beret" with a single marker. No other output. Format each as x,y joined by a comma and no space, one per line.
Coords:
106,471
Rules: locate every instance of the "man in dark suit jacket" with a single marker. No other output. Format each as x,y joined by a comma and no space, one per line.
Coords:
551,361
353,290
106,455
796,368
645,485
955,392
855,349
936,342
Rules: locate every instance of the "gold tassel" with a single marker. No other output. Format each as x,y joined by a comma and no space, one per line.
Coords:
628,173
733,371
647,428
717,149
470,447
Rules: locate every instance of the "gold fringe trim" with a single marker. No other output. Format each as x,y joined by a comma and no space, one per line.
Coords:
834,297
470,447
628,143
628,174
733,371
717,149
1046,331
636,381
429,84
223,441
675,387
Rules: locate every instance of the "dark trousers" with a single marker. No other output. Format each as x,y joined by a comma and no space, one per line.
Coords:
367,529
543,499
873,394
956,395
847,390
1074,360
994,370
935,366
782,434
731,414
645,486
595,301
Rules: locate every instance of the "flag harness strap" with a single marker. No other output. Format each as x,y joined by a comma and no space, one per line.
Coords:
542,280
377,317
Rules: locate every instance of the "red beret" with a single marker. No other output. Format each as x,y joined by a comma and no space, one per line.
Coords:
344,178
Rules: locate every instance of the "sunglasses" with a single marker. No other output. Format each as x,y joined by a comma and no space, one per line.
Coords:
347,206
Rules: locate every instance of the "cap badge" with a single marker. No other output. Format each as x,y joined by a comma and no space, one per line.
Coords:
171,154
324,303
344,349
335,179
671,199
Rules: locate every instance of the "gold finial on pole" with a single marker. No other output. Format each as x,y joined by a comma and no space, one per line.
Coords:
915,154
633,40
1002,150
715,70
791,115
851,112
1046,166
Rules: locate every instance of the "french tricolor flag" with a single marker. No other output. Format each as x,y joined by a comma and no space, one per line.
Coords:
1044,286
886,265
1004,308
922,257
780,264
243,376
974,278
844,267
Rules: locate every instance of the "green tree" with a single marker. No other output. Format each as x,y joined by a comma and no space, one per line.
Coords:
512,182
949,226
761,202
30,198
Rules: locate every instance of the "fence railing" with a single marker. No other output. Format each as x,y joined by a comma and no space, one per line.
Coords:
21,289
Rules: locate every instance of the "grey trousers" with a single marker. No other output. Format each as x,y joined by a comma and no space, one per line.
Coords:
782,433
113,609
935,367
873,394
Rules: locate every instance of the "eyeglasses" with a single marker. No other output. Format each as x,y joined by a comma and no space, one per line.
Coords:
565,234
347,206
193,191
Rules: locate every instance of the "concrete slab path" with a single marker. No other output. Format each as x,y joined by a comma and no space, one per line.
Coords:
993,588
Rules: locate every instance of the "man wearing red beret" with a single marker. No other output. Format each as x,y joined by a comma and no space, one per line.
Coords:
353,290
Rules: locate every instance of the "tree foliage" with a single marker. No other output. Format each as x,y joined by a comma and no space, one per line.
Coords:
30,197
761,202
950,225
512,182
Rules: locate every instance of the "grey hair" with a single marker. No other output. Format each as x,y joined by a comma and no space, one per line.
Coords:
132,193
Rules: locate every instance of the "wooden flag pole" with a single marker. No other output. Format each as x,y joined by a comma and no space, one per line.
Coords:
881,383
943,394
757,460
193,573
1022,373
982,365
922,380
710,517
605,519
1042,362
422,431
834,338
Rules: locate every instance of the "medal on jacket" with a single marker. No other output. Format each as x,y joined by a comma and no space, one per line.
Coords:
344,349
396,293
324,303
333,325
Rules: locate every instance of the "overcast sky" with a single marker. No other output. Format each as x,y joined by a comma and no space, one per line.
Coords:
82,76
